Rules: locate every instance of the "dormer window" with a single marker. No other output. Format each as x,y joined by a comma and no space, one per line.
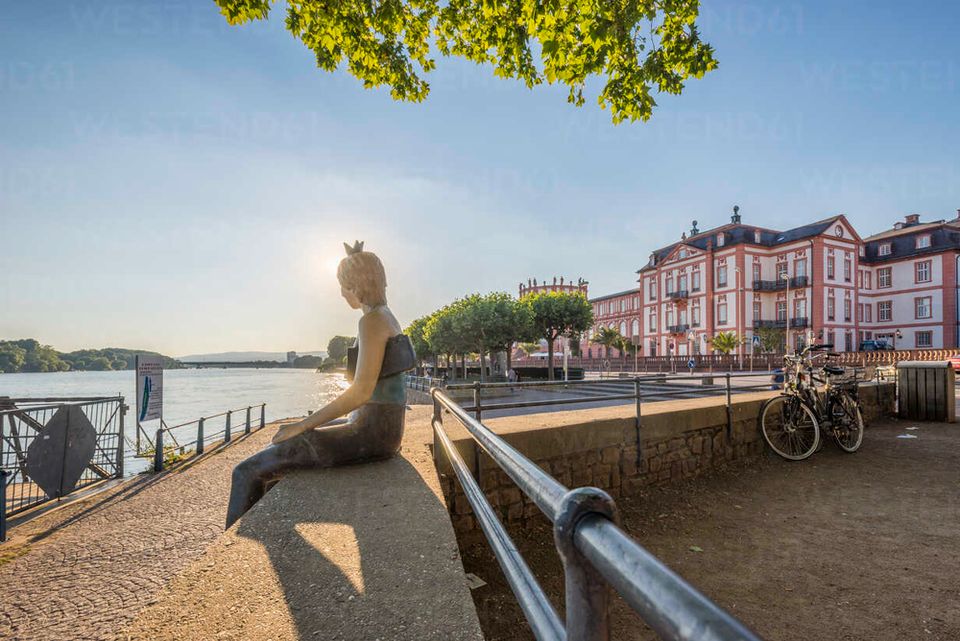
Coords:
756,236
720,240
923,241
861,250
884,249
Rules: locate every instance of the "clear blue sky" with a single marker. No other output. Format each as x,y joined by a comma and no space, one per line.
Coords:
170,182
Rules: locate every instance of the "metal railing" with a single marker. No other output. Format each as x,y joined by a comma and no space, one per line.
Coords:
596,553
678,294
34,438
203,437
423,383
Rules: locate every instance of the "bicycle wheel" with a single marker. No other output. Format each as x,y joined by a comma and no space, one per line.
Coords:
790,427
847,423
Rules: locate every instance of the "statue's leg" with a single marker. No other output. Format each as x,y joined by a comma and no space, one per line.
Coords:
251,476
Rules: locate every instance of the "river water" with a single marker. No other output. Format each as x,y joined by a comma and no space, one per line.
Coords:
189,394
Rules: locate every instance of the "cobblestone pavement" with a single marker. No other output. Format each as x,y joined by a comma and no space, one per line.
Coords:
85,571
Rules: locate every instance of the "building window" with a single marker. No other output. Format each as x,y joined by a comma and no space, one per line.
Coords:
830,338
923,306
846,311
867,280
884,277
782,310
720,240
859,312
781,271
884,249
721,313
635,328
623,328
722,276
653,321
756,310
862,250
800,308
653,289
695,316
756,236
831,308
923,241
681,254
756,271
847,269
924,339
682,284
800,267
695,278
669,316
830,267
669,284
868,313
885,310
848,342
922,271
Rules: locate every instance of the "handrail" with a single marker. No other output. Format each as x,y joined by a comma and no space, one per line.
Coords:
591,545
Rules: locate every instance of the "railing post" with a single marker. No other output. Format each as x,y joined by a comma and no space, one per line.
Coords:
263,415
246,430
3,506
120,452
158,451
479,414
226,429
437,419
636,389
199,447
729,417
586,593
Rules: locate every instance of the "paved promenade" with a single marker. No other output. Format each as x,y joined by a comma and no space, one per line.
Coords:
86,570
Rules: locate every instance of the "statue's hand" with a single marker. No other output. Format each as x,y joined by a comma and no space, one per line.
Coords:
289,431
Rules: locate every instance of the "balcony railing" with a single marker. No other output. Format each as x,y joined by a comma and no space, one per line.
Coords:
795,323
678,329
679,294
777,285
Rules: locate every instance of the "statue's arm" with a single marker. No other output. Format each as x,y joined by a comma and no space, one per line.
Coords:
374,332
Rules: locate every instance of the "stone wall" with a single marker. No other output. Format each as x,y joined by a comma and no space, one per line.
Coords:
598,447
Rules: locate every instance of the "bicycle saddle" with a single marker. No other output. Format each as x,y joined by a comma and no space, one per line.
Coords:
833,370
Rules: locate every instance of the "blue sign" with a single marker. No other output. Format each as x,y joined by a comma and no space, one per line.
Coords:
756,341
691,363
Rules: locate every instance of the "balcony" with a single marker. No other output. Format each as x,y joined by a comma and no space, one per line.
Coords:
777,285
680,294
795,323
678,329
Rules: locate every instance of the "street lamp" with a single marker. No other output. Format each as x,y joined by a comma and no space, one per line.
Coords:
785,277
897,334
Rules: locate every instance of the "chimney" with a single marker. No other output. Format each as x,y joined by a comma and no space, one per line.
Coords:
735,219
911,219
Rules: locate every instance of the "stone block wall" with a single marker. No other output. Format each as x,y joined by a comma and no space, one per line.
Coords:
679,440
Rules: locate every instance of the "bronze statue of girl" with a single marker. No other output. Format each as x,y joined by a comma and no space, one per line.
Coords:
376,397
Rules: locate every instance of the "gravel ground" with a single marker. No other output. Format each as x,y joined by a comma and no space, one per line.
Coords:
839,547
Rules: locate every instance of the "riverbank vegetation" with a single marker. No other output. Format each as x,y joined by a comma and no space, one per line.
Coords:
28,355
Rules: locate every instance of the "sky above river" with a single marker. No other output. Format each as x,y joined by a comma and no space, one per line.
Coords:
169,182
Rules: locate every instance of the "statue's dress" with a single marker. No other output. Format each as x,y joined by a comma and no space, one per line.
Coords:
371,432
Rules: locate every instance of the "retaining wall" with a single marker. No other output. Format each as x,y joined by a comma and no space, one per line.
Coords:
599,447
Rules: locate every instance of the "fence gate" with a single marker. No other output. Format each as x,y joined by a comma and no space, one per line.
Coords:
50,447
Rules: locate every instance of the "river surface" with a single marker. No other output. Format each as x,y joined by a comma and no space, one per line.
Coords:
189,394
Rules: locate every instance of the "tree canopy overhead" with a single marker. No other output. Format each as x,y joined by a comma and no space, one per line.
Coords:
631,46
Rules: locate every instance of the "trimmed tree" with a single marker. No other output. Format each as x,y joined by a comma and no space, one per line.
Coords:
725,342
558,314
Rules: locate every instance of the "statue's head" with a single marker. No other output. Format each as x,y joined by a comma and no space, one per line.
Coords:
362,278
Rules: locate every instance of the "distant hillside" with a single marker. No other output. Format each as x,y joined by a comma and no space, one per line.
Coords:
244,357
28,355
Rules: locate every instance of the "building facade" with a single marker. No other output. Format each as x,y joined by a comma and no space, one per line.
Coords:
766,285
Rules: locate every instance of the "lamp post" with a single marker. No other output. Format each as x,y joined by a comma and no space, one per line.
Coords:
785,277
896,334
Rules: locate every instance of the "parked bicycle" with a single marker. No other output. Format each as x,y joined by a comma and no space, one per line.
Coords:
814,400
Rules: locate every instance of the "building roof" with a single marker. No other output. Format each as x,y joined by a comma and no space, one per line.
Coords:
627,292
737,233
903,242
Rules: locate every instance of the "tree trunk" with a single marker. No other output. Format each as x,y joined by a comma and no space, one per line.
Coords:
483,366
550,359
463,364
509,358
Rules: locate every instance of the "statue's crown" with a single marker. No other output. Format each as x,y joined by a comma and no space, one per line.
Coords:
356,249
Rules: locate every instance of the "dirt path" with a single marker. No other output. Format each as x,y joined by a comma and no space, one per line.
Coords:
839,547
86,570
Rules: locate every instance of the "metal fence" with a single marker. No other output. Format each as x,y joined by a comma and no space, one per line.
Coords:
206,430
50,447
596,552
423,383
